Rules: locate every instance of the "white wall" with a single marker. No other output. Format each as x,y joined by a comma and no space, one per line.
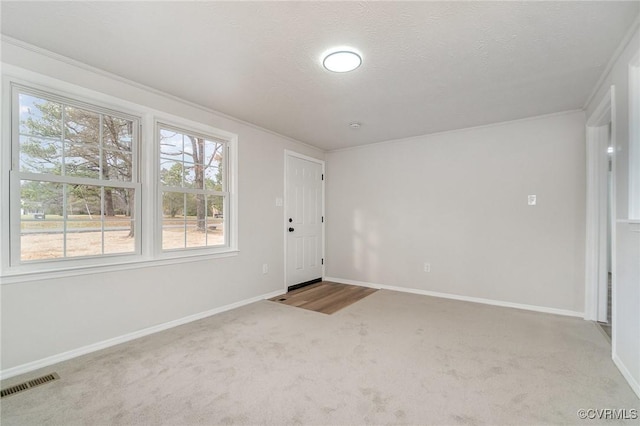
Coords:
44,318
458,200
626,284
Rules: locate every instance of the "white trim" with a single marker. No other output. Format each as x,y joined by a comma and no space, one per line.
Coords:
5,169
288,153
632,221
14,75
635,386
54,359
16,277
602,114
304,157
634,137
189,126
492,302
614,58
73,180
596,271
72,62
284,219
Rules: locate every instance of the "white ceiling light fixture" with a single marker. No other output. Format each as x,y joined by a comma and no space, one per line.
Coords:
355,125
341,59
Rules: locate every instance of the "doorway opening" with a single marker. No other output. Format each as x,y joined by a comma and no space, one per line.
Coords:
600,259
605,317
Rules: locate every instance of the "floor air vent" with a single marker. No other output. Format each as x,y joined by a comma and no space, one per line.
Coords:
30,384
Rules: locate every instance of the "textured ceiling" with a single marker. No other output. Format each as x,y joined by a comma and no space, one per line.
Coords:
428,66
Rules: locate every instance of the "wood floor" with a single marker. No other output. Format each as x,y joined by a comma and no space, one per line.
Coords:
324,297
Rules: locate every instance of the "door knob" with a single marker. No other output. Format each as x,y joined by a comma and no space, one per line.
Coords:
291,229
290,220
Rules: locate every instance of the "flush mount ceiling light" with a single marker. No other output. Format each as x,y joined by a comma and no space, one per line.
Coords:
355,125
343,59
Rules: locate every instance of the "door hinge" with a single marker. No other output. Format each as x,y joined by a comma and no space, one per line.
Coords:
323,261
323,176
322,219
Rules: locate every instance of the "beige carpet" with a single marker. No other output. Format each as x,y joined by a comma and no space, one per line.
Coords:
391,358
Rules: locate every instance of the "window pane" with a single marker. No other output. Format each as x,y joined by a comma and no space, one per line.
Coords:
81,126
173,234
81,160
215,221
117,165
84,238
39,117
173,205
41,198
173,220
40,155
196,225
43,239
213,178
171,173
84,202
119,223
192,147
119,237
117,133
41,226
119,203
213,153
171,145
196,237
193,176
196,209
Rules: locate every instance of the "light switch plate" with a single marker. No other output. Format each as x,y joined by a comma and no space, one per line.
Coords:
278,202
531,200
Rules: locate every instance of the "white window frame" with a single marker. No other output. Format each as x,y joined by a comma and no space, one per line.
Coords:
15,176
229,190
150,250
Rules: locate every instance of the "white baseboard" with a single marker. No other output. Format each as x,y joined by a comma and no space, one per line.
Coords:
54,359
458,297
633,382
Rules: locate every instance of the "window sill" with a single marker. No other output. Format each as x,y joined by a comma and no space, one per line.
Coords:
14,277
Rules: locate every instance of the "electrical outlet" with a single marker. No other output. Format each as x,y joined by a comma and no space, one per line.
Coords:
265,268
427,267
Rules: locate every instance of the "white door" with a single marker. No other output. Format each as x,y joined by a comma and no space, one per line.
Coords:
303,216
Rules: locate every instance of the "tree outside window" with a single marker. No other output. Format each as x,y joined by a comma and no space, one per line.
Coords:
77,183
192,177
